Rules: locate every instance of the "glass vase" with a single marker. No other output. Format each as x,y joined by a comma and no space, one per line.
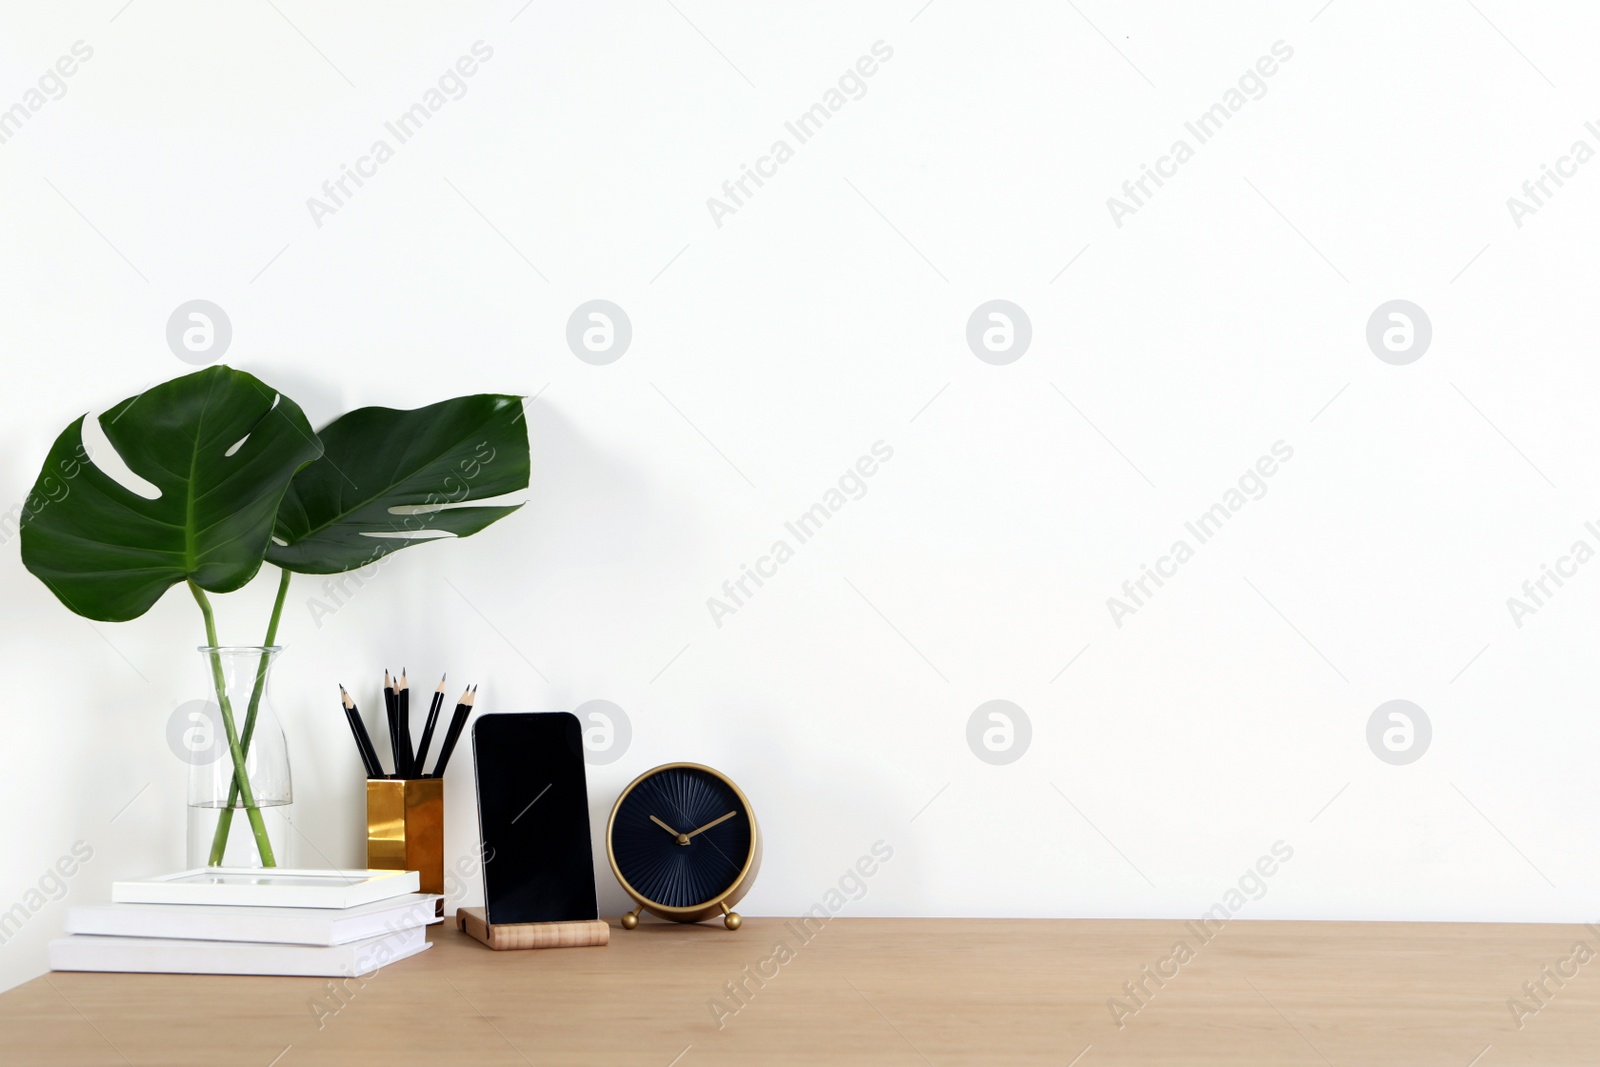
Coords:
237,820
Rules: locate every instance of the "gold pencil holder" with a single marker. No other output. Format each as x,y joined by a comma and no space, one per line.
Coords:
405,828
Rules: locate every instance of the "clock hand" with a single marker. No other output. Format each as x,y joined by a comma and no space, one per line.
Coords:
665,827
712,823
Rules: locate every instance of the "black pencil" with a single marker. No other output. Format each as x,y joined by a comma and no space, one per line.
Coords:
427,728
452,735
390,706
364,739
402,696
369,756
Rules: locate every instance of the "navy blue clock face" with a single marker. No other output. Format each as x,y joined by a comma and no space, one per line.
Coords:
681,837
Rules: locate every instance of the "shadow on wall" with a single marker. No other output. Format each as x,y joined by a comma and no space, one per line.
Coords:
591,508
803,788
582,564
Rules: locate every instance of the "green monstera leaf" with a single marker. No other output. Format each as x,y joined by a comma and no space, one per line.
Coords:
390,479
220,447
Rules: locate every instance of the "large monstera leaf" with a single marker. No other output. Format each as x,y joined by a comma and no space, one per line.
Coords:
219,445
389,479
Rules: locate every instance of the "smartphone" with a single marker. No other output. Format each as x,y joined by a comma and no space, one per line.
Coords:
533,811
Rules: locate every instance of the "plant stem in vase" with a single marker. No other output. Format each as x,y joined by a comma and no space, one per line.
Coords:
241,776
225,817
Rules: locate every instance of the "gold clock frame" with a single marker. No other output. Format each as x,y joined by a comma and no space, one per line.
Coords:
722,903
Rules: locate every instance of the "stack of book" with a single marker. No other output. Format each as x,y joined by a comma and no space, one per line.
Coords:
217,920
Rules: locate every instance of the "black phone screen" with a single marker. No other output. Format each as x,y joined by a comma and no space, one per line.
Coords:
533,809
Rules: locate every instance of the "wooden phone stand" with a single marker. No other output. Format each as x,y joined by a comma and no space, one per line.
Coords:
583,933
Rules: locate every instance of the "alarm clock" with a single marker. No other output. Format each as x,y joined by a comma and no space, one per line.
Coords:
683,842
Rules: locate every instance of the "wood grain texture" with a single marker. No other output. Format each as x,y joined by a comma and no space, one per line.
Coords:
861,991
592,933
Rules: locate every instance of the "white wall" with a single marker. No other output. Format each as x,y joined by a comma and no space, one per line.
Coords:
827,314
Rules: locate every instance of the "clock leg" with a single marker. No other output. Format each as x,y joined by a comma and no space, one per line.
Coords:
631,920
731,919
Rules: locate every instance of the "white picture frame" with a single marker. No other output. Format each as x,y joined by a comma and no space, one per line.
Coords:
275,887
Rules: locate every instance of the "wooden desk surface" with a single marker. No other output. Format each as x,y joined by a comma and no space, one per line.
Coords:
892,991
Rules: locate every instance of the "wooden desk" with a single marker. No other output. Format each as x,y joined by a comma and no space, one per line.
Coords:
892,991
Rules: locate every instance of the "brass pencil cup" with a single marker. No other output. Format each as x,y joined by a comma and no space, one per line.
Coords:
405,828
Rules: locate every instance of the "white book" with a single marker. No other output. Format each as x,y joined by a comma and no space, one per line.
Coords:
144,955
267,887
285,926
